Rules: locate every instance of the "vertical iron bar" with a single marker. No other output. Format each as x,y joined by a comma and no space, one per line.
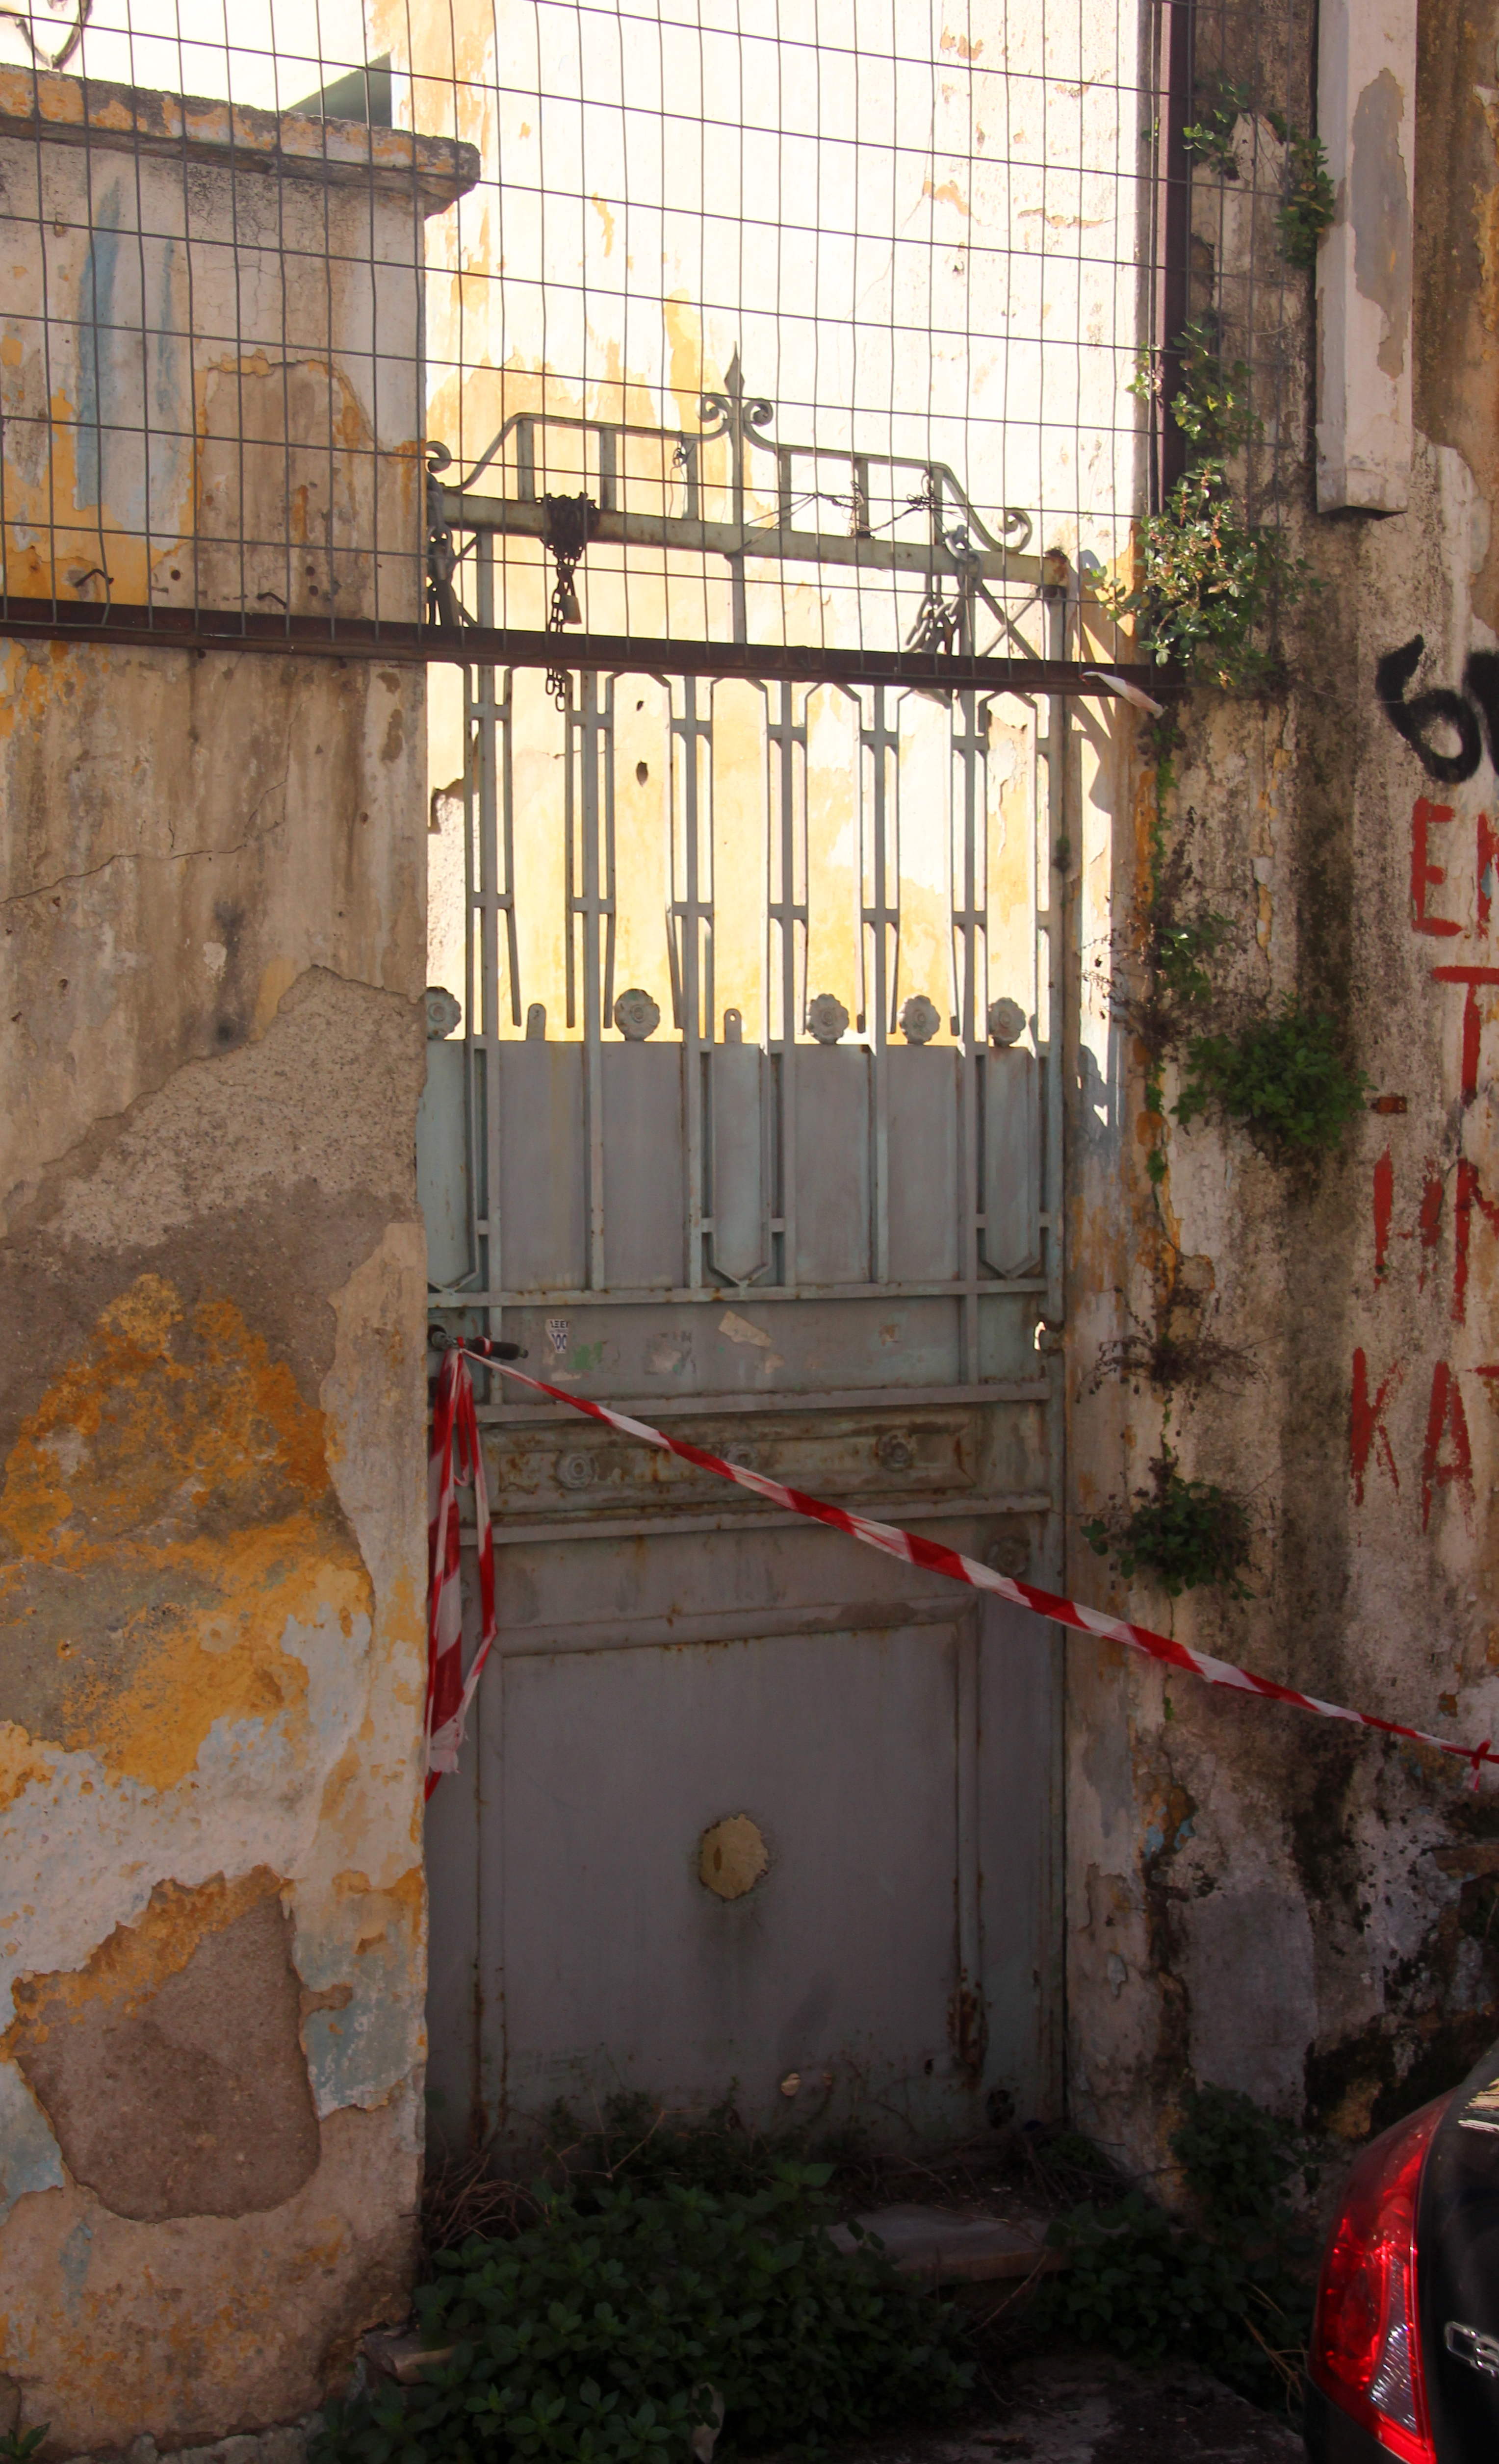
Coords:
691,932
969,918
786,913
474,753
1173,232
488,899
586,730
1057,756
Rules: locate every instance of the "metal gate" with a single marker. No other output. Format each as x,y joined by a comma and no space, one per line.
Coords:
746,1809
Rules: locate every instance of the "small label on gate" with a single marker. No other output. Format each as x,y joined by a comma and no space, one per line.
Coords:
558,1332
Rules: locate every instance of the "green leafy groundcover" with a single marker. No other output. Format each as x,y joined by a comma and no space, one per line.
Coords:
1235,2294
608,2331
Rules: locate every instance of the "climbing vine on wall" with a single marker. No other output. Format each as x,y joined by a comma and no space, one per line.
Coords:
1209,582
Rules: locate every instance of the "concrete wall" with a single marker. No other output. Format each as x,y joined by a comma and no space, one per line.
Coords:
211,1399
1260,1899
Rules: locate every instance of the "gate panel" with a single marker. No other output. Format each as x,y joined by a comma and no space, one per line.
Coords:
824,1253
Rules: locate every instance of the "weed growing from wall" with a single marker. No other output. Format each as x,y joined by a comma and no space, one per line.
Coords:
1188,1533
1236,2294
1285,1078
1207,583
611,2330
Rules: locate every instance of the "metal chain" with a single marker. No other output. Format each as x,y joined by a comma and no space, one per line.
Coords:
571,522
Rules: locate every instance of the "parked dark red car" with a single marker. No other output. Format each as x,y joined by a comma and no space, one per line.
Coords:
1404,2357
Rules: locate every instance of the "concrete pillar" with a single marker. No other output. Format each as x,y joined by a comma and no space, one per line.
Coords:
212,1268
1366,118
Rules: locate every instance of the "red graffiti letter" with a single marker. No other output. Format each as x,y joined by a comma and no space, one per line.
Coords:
1473,1017
1446,1418
1383,1209
1424,874
1366,1424
1470,1193
1487,849
1430,1217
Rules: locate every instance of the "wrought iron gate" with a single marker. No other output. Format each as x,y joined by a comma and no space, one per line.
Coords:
746,1809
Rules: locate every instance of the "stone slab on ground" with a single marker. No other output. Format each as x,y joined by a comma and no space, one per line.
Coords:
287,2445
1090,2410
953,2249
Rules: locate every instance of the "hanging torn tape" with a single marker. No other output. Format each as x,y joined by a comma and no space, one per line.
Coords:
931,1555
455,1460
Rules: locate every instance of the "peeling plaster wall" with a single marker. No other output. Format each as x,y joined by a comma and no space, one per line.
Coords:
1259,1898
212,1275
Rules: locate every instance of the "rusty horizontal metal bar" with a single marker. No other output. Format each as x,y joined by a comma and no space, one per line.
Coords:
528,518
357,637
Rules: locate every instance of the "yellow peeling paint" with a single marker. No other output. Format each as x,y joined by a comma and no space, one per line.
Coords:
177,1465
135,1961
948,194
276,982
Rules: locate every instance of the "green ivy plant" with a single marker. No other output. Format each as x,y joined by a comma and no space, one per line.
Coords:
606,2333
1190,1534
1311,199
1236,2294
1221,103
1285,1078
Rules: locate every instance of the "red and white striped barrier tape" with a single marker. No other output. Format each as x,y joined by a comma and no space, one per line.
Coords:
455,1460
928,1555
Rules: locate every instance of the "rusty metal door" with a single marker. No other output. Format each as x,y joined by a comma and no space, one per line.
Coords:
753,1128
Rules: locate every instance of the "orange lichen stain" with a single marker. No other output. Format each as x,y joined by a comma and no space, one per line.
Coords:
135,1961
167,1511
19,1762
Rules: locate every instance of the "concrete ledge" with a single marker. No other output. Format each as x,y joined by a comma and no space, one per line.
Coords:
38,103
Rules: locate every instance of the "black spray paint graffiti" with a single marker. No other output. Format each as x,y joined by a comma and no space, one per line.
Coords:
1420,719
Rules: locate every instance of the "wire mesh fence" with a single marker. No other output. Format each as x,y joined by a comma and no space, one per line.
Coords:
720,322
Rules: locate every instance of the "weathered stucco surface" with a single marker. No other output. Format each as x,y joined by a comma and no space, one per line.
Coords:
1259,1898
211,1519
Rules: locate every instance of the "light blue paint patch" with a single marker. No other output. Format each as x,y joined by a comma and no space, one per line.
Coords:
97,346
357,2055
1155,1840
132,353
1186,1833
28,2157
74,2260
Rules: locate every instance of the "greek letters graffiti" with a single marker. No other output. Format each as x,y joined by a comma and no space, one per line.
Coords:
1442,1208
1472,716
1446,1459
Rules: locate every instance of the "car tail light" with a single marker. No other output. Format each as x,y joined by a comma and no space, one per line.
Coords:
1365,2338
